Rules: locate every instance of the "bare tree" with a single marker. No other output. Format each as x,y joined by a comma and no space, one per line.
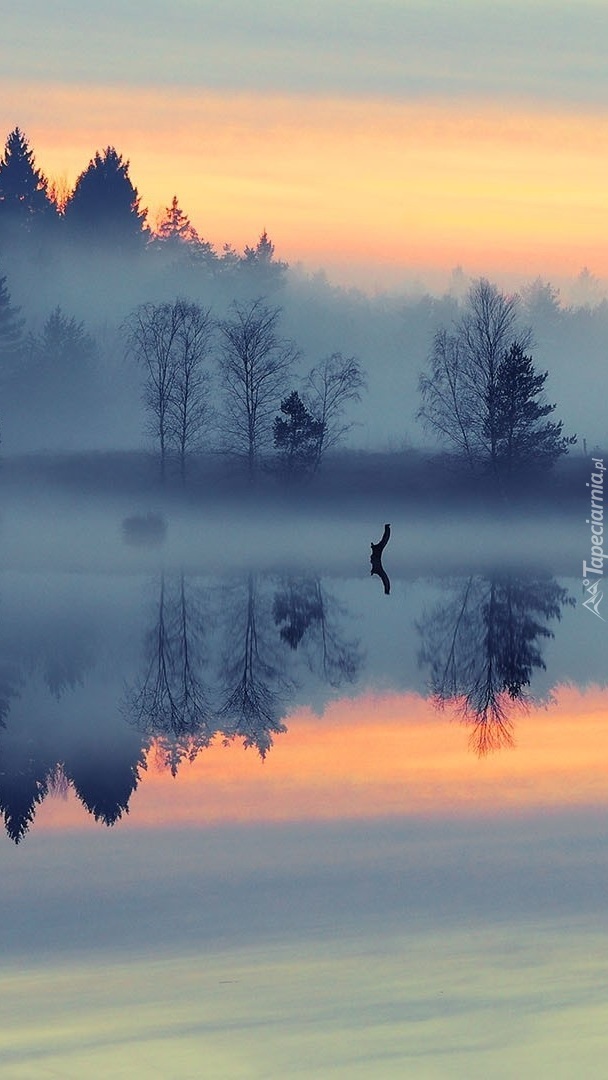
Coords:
331,386
170,702
150,335
170,341
189,396
254,364
482,646
460,396
252,706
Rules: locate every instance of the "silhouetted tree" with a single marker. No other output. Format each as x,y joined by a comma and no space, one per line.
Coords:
482,647
331,386
460,395
104,205
151,332
175,228
170,702
177,238
310,618
11,332
105,786
24,197
260,264
523,437
251,708
254,364
296,439
189,407
22,790
171,341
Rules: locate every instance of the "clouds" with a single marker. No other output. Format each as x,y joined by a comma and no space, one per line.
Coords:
549,51
391,133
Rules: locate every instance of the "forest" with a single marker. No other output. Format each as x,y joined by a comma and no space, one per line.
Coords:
138,348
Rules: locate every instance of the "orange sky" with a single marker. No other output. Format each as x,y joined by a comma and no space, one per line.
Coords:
375,757
340,183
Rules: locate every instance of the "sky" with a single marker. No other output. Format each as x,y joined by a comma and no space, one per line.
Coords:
381,141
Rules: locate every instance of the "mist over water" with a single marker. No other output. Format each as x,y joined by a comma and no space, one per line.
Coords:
262,756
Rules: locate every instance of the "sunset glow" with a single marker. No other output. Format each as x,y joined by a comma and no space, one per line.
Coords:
389,184
377,757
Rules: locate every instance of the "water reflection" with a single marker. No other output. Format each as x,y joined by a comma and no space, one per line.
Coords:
312,620
482,645
254,681
169,700
228,660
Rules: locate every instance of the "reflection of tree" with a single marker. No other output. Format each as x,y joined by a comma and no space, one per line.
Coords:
482,647
251,707
103,787
297,606
39,759
10,683
24,786
170,701
310,617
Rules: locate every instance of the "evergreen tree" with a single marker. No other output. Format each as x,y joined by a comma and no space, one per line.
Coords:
11,329
24,198
524,437
175,227
296,438
64,347
261,263
176,236
104,205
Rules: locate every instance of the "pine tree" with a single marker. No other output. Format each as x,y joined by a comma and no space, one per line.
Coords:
11,329
296,438
24,198
176,237
175,227
104,205
524,437
261,263
64,347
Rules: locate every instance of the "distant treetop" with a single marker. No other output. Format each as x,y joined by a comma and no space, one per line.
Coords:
24,198
104,205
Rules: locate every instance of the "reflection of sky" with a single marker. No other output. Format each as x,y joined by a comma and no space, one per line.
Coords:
366,949
372,899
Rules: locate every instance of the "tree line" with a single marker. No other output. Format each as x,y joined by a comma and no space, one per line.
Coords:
174,344
225,380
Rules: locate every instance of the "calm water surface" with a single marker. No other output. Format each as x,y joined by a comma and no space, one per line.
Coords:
264,820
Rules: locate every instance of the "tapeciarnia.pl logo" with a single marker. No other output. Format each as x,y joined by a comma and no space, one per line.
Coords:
595,567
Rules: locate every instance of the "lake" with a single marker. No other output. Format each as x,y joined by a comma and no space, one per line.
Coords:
264,818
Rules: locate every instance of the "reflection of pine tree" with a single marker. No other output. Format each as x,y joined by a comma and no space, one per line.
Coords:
483,647
309,616
105,787
10,683
22,789
170,702
251,708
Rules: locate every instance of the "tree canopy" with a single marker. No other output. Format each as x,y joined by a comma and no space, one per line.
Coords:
104,206
482,395
24,197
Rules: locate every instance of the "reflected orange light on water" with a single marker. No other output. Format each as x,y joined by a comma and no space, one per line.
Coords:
375,757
